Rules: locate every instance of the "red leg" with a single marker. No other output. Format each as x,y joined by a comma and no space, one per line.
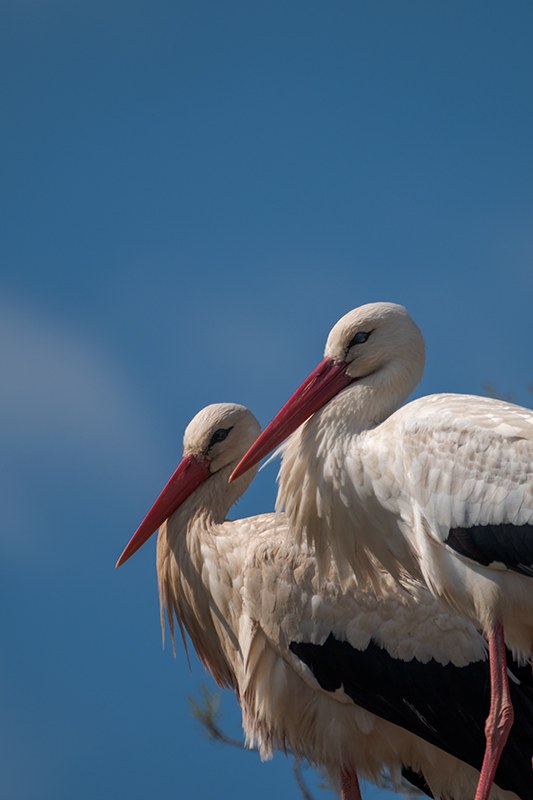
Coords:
350,786
501,713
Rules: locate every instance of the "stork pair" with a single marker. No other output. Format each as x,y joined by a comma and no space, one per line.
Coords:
383,506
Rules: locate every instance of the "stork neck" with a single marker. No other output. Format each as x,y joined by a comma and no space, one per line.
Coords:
183,581
207,507
362,405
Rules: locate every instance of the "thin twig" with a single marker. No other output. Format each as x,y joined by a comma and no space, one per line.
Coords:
297,767
207,712
496,395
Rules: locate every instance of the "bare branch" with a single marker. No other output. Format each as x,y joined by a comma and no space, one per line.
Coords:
297,767
495,394
206,710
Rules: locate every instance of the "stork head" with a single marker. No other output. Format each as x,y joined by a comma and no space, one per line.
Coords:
214,441
377,345
373,337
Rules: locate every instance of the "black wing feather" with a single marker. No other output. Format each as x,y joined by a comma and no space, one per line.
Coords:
507,544
443,704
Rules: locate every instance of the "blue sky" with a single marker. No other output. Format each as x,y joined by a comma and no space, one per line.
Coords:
192,193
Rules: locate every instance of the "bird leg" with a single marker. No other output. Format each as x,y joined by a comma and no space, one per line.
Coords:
350,786
501,714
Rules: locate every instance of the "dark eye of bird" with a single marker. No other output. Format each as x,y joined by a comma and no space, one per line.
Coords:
359,338
219,436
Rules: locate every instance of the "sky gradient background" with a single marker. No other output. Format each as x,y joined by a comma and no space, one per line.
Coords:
192,193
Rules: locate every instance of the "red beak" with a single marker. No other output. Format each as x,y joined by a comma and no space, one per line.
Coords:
187,477
323,383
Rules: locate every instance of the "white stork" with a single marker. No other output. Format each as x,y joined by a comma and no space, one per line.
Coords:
365,680
444,485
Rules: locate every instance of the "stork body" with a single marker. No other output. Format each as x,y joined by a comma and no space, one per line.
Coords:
361,678
442,486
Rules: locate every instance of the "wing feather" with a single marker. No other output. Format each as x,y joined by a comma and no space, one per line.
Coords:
468,461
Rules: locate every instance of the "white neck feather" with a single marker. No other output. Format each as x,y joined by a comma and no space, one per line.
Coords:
182,590
319,497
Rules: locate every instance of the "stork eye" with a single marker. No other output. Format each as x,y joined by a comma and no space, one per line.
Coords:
219,435
359,338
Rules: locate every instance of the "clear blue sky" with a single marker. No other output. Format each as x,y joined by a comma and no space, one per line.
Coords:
192,194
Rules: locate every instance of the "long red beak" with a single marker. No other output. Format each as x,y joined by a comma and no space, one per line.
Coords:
187,477
323,383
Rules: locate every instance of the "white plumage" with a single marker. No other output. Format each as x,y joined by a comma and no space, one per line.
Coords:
442,486
297,649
